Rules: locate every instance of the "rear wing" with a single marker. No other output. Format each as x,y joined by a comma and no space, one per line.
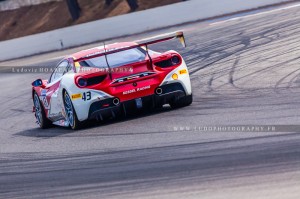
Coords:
144,42
162,38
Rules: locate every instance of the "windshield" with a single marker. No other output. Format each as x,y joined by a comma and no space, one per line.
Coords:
116,59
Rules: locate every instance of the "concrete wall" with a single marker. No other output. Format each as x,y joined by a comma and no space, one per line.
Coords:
132,23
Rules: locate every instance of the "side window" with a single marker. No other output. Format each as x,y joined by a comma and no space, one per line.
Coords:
69,68
60,70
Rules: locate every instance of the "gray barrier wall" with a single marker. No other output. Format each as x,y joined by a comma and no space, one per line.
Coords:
118,26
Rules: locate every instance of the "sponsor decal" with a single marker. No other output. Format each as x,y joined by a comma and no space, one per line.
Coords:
45,102
94,54
143,88
184,71
43,92
62,123
101,51
53,115
76,96
133,77
129,91
136,90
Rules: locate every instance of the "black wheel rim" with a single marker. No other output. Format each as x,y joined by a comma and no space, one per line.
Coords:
38,110
69,110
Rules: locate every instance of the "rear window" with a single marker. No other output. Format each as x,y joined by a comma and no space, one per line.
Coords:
116,59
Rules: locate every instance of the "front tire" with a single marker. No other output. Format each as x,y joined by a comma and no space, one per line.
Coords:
40,114
182,102
71,115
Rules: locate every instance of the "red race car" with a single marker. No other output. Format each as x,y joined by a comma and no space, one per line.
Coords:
104,81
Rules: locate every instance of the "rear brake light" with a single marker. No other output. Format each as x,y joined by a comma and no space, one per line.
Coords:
173,61
81,82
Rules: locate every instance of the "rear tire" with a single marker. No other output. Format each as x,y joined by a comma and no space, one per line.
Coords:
182,102
40,114
71,115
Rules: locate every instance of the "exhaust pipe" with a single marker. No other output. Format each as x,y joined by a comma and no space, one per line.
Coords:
158,91
116,101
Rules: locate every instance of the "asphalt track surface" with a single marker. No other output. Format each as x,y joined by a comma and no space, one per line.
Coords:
244,72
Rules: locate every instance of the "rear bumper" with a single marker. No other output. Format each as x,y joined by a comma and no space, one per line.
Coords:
106,108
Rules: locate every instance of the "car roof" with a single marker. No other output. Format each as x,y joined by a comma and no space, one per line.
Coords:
99,49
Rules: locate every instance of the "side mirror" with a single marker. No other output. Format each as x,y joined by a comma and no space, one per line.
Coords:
37,83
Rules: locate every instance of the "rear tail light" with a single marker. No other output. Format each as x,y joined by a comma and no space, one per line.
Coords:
82,82
173,61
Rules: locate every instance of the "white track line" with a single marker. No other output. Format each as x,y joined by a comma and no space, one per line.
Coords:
255,14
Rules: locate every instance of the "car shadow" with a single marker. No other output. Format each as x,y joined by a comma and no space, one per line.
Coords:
56,131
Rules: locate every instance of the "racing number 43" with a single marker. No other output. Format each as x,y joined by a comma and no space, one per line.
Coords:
87,96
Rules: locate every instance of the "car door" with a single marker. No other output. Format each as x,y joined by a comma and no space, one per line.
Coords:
52,89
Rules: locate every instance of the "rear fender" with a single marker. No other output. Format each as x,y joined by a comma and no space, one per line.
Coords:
82,98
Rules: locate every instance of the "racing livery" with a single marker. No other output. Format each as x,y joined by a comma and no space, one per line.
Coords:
113,79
